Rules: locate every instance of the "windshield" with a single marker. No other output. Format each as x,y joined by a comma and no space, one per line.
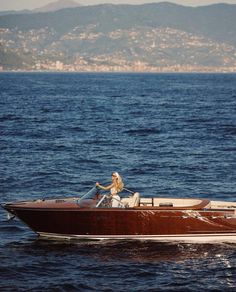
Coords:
96,198
91,194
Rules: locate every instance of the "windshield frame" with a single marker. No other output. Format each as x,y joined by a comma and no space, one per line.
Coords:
89,195
97,198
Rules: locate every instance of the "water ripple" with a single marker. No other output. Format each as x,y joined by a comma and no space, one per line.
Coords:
169,134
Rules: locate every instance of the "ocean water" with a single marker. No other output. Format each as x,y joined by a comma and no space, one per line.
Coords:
166,134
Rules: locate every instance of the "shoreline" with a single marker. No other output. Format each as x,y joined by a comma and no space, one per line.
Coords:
117,72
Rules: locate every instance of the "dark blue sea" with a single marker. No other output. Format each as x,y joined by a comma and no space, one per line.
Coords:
166,134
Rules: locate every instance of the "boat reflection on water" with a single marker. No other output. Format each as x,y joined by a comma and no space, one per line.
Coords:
140,251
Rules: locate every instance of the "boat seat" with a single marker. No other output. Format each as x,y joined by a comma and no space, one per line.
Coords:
134,200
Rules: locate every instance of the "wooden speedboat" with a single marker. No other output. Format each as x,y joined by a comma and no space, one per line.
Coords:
163,219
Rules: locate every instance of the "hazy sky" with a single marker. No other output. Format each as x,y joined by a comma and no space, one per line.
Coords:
31,4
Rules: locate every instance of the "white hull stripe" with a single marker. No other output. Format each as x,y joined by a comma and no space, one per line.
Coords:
229,237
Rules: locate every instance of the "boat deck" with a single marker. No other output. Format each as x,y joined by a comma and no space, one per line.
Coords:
134,202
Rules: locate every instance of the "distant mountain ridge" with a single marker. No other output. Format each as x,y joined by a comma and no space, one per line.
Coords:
57,5
52,6
7,12
148,33
217,21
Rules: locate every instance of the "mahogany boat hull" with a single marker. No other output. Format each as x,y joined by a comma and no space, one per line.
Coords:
131,223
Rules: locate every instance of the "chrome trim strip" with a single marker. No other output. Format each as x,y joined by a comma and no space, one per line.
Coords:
229,237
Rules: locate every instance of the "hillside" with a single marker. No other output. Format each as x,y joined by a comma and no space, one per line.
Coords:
57,5
124,37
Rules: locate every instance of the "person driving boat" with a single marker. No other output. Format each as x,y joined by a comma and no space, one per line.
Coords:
115,187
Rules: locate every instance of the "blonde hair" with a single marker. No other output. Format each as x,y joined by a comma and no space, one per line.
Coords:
119,182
